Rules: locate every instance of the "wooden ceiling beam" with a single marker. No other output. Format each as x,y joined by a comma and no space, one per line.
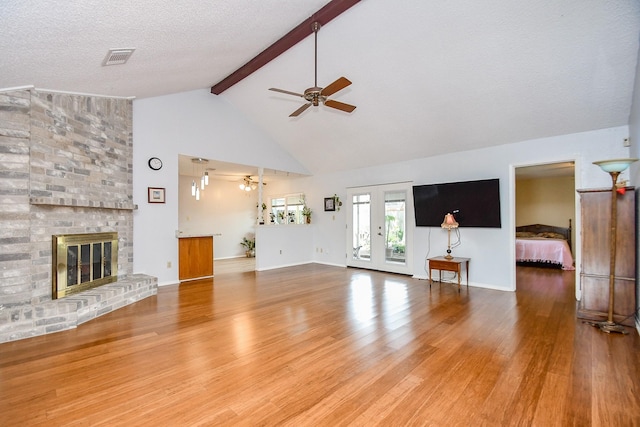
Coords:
299,33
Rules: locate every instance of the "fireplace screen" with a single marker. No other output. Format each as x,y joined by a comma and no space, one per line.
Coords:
83,261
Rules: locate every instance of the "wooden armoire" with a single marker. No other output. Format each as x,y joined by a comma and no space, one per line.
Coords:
594,270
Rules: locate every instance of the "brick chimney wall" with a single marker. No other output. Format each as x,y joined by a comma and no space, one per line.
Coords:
66,168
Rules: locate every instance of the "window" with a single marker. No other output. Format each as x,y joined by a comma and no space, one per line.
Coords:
287,209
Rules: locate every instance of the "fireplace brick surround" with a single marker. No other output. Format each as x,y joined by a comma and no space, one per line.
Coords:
66,167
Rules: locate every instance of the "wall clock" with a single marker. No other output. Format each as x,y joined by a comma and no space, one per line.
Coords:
155,163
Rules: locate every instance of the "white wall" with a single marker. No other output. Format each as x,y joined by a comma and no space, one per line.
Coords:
283,245
201,124
491,250
223,210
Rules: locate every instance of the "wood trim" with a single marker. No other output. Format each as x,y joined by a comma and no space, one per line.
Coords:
293,37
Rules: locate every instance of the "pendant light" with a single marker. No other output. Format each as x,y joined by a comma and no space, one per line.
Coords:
204,178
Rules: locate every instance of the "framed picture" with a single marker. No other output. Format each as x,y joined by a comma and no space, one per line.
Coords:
329,204
156,195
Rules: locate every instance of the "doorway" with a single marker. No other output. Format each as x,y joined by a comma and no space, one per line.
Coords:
546,194
379,235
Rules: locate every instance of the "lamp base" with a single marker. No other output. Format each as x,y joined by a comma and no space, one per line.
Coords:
448,255
609,327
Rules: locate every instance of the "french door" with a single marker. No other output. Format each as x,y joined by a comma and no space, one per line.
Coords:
379,227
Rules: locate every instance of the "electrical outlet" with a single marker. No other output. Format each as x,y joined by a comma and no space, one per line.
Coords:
168,264
280,251
627,142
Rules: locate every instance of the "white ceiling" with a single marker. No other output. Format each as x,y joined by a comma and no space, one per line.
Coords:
428,77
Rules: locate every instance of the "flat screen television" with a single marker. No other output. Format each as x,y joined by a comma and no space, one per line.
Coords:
472,203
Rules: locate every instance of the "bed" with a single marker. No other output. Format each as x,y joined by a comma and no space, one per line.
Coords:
544,245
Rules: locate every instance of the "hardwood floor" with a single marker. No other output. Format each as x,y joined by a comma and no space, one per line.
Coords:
234,265
316,345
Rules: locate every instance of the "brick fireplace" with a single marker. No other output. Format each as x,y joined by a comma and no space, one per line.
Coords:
66,168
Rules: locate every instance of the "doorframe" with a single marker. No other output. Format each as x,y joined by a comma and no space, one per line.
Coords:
577,225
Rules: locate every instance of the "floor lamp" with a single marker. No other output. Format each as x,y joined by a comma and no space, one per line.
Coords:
614,168
449,223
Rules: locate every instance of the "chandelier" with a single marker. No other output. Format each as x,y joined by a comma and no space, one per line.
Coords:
248,184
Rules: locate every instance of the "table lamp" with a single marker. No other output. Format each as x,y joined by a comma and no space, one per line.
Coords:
449,223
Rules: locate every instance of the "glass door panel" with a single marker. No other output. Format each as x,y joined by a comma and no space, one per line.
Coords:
395,226
361,236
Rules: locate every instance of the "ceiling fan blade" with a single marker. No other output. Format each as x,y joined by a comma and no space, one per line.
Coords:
339,84
339,105
286,91
300,110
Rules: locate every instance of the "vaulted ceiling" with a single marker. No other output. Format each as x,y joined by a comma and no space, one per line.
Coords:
428,77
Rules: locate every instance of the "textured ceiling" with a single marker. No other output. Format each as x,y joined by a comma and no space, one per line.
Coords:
428,77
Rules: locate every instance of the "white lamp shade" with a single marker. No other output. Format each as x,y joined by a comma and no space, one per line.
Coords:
614,165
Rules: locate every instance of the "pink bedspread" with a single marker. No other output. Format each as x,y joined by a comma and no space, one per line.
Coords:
538,249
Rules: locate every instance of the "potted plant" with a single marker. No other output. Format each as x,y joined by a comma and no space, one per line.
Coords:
306,212
336,201
261,215
250,246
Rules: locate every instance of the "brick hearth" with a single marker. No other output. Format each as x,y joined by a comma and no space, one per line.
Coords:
66,313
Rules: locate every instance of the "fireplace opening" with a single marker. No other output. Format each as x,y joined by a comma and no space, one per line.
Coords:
83,261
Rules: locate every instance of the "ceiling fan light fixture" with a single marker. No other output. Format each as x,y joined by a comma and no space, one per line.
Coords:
316,95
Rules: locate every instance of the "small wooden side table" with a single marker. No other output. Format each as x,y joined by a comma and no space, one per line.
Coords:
454,264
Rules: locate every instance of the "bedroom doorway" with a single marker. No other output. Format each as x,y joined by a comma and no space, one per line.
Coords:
546,194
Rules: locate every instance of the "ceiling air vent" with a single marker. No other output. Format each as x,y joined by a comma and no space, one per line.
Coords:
117,56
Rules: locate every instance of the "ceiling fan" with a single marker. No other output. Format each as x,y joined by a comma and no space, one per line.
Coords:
314,95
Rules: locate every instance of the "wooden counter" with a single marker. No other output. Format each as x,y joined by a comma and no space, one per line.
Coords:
195,257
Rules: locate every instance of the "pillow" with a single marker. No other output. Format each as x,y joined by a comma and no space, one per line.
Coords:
551,235
525,234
